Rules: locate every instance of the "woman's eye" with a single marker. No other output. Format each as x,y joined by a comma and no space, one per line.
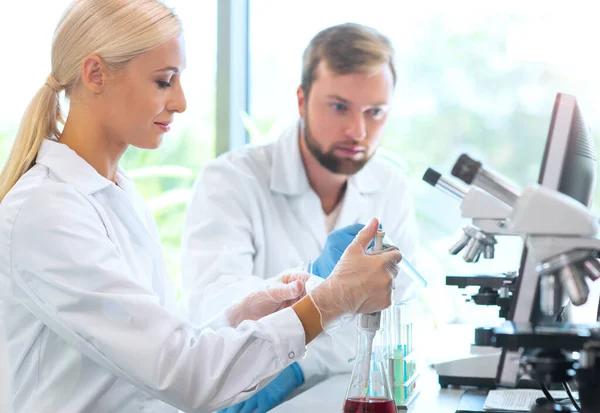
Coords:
338,107
162,84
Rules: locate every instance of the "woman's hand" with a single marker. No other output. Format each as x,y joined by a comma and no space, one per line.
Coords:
360,282
283,293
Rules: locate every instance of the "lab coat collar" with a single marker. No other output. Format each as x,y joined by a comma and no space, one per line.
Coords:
288,175
74,170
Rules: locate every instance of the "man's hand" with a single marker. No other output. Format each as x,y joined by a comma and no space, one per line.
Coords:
336,244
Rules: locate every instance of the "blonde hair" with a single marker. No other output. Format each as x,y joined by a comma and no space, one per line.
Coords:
346,48
115,30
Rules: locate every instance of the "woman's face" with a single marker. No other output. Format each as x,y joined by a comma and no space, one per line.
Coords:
139,101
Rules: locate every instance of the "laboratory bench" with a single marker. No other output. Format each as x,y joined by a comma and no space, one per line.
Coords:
450,341
328,397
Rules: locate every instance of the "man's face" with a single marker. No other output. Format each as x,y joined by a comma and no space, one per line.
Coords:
344,116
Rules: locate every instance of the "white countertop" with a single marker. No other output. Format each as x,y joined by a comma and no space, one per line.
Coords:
328,397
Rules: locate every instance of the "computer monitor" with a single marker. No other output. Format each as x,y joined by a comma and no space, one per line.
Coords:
569,166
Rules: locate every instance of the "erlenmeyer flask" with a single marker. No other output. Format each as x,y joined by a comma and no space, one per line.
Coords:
369,390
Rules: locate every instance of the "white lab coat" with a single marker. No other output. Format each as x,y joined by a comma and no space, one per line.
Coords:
3,373
89,315
253,214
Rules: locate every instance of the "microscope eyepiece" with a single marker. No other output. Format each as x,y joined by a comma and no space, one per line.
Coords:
431,176
472,172
466,168
435,179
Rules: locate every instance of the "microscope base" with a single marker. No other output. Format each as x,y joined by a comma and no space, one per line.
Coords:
478,369
459,381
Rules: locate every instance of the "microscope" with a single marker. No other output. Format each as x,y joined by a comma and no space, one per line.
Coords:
496,208
488,214
561,237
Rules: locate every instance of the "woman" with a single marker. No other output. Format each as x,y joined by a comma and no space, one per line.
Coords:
87,311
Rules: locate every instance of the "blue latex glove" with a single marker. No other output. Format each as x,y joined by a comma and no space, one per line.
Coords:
336,244
272,394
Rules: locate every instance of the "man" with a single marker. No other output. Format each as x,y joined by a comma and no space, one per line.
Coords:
260,210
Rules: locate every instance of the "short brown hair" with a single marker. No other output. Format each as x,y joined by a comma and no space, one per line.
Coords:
346,48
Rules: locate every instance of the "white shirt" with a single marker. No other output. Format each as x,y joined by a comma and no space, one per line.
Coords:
253,214
332,217
89,314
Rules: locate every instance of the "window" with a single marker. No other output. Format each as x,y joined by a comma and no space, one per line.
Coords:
164,177
25,59
471,78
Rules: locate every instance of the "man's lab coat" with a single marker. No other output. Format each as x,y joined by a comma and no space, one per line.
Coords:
253,214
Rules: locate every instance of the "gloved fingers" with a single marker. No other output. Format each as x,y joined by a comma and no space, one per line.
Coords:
286,292
288,278
392,257
261,303
392,268
386,247
365,235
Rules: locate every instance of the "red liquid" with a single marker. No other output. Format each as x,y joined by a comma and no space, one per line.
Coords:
369,405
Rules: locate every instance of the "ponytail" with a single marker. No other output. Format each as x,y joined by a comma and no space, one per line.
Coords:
115,30
40,121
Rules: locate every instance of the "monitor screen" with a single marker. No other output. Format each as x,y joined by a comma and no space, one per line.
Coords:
569,162
569,166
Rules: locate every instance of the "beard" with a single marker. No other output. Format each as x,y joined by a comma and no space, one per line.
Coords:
327,159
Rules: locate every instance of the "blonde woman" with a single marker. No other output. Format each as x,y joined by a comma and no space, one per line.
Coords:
88,314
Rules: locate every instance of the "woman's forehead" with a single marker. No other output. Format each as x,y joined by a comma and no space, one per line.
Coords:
168,56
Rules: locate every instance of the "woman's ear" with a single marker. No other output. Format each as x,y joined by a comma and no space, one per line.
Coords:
93,74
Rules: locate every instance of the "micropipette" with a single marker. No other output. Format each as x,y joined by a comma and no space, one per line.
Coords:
370,322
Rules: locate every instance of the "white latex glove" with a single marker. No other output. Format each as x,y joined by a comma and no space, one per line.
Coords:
360,282
283,293
408,279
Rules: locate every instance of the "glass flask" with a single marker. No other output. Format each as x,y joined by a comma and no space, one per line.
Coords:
369,390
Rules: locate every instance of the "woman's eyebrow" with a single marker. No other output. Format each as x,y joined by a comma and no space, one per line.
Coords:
168,68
